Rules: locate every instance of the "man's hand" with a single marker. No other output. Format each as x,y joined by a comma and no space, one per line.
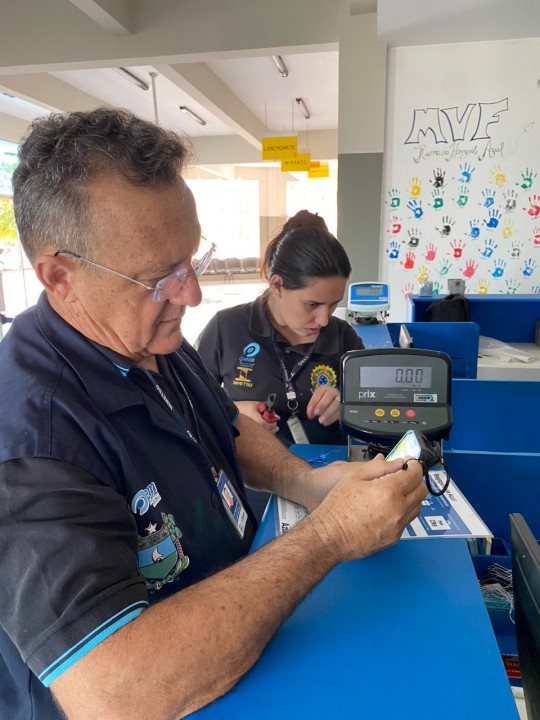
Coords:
250,408
360,518
324,404
318,482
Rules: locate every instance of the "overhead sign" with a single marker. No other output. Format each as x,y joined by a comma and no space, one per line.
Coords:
319,170
278,148
299,162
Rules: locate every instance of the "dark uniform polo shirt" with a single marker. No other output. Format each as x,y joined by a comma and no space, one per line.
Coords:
239,344
108,500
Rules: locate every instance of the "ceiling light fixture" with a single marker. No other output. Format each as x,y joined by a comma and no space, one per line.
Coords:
303,107
133,78
192,115
153,76
282,68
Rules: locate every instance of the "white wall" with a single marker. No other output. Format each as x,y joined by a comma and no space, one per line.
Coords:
477,110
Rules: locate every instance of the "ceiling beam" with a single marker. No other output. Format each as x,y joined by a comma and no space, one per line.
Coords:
206,88
114,16
12,128
59,36
404,23
233,150
362,7
223,150
48,92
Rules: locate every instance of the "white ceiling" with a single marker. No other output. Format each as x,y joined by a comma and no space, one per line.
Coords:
255,81
215,57
312,76
234,86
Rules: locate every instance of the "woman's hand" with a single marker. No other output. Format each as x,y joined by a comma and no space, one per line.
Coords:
249,408
324,404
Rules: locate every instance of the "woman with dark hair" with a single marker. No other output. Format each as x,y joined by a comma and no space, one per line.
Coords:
287,343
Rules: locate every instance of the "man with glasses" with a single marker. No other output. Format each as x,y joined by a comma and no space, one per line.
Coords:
122,463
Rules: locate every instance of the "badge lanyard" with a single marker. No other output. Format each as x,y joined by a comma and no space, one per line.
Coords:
229,497
292,402
177,416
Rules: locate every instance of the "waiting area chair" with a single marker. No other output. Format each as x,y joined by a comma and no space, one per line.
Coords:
234,267
217,267
251,265
230,267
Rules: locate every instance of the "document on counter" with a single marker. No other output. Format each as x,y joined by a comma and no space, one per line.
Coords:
449,515
446,515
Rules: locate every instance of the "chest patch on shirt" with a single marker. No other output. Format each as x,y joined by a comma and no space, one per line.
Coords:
323,375
246,362
160,555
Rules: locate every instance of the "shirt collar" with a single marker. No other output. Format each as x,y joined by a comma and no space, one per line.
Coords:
123,364
97,370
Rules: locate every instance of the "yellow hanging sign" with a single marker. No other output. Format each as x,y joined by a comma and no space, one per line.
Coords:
299,162
322,171
277,148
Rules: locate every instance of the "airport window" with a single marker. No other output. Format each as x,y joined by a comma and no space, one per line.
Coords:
317,196
229,215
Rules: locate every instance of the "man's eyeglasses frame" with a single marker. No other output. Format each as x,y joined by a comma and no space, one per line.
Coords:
198,267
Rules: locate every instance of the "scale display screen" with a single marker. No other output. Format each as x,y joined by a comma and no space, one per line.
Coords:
360,291
385,392
404,376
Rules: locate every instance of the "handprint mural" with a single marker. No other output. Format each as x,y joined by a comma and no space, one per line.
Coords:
467,177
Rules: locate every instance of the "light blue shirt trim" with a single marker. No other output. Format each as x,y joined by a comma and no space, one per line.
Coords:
124,371
48,675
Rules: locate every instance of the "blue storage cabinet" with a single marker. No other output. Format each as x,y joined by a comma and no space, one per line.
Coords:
493,455
458,340
493,452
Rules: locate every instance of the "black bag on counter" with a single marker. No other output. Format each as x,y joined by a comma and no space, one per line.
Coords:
451,308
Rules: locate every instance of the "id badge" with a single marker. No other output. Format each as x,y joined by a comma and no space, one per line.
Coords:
297,430
232,503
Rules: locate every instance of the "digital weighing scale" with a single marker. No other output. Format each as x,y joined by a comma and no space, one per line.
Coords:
367,299
385,392
367,310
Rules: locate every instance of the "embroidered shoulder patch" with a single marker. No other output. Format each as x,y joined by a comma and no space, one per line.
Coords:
160,555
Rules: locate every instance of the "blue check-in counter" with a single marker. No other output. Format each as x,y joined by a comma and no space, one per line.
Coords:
402,634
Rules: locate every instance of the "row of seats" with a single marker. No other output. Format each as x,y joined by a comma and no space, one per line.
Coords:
233,266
